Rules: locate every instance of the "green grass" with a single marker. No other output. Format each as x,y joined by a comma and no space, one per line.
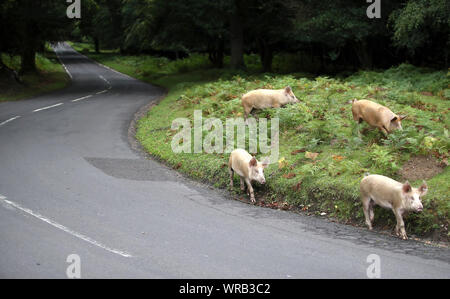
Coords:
322,123
50,76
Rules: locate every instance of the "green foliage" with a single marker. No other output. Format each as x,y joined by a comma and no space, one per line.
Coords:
50,76
321,123
404,77
421,23
382,160
25,27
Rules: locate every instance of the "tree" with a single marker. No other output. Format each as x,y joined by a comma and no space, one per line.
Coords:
192,25
268,25
335,27
423,28
87,24
29,24
237,35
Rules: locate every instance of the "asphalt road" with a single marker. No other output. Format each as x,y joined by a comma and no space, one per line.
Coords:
71,184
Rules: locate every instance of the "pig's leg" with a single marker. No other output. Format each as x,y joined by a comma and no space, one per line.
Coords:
358,126
230,170
366,207
250,190
242,184
384,131
247,111
400,227
371,214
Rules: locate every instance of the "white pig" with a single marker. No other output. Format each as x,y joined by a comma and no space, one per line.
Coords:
390,194
376,115
267,98
248,168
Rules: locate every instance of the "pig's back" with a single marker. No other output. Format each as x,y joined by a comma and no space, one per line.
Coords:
239,160
369,107
261,98
376,182
241,154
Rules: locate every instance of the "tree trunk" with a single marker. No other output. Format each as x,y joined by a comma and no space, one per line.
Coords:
10,74
97,45
237,40
364,54
28,56
216,53
266,54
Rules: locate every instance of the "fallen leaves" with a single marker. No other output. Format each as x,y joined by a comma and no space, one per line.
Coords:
312,156
276,205
282,163
297,151
289,175
424,106
338,158
297,186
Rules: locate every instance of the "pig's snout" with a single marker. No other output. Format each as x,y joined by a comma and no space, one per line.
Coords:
262,181
420,208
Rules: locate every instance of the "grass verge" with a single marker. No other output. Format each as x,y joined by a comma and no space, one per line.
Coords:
322,158
50,76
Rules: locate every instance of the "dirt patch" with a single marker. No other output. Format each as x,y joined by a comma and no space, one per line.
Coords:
421,168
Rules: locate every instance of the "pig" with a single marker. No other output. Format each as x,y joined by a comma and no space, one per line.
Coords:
376,115
248,168
390,194
266,98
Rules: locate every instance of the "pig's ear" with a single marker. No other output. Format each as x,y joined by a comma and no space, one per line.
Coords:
423,189
394,119
406,187
402,117
288,89
253,162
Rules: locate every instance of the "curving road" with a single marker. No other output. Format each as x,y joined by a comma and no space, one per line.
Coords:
71,184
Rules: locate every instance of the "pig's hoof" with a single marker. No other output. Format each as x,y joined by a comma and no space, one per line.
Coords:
402,235
253,200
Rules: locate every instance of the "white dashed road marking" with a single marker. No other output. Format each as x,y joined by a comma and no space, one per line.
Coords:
107,82
9,120
63,228
64,66
48,107
79,99
103,91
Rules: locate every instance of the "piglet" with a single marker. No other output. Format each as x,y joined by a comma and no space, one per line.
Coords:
248,168
267,98
390,194
376,115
